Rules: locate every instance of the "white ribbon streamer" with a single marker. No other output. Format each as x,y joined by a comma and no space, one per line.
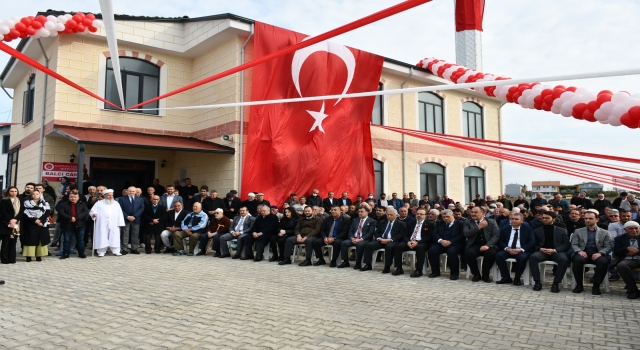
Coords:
106,7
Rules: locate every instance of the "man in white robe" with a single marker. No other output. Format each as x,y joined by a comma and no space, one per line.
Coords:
108,218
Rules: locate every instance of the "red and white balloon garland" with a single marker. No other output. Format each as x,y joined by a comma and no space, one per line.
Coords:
42,27
606,107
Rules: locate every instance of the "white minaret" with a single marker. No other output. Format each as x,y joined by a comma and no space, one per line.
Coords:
469,15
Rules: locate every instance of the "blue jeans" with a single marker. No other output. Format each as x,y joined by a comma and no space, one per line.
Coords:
79,233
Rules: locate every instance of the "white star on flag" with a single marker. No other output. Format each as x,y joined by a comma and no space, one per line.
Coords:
319,117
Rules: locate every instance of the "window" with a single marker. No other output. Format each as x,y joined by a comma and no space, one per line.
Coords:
430,113
432,181
28,100
5,144
473,182
376,116
472,120
379,173
12,166
140,82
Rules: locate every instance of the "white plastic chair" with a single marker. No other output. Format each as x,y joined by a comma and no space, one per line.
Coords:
375,254
526,275
543,270
411,255
607,287
480,260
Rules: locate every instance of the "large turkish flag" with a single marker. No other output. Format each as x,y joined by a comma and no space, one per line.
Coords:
296,147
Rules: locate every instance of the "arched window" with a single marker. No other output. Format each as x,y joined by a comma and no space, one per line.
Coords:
430,113
378,170
472,120
432,181
376,116
28,100
473,183
140,82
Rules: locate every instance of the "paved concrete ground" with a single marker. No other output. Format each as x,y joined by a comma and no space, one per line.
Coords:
160,301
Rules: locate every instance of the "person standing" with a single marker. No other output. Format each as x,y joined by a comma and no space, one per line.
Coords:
11,210
73,218
154,219
132,207
35,228
108,219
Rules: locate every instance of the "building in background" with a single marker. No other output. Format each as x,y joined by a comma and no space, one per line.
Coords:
590,186
5,134
547,188
513,190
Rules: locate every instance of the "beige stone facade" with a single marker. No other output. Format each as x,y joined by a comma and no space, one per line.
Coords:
187,51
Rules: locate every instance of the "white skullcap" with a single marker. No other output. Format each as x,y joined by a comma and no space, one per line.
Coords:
107,191
251,194
631,224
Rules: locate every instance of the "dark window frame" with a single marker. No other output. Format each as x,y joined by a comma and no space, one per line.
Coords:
28,100
6,139
125,73
428,175
466,117
424,106
379,100
381,178
470,180
12,161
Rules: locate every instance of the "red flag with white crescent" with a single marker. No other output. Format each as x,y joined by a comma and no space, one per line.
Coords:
296,147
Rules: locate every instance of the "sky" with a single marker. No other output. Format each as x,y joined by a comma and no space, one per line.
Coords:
520,40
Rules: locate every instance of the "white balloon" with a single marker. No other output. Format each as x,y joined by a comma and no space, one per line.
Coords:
555,110
619,97
557,103
10,23
2,22
618,111
530,102
15,19
522,100
68,16
604,121
586,98
636,96
600,115
53,33
614,120
590,96
567,109
566,96
4,30
582,91
527,92
62,19
52,18
630,102
448,72
43,32
36,35
50,25
607,108
577,98
60,27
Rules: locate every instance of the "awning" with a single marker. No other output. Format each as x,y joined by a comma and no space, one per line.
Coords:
136,139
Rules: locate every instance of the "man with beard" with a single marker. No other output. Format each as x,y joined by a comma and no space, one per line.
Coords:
108,218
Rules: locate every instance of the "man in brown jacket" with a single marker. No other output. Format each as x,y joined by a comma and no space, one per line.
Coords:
307,230
218,226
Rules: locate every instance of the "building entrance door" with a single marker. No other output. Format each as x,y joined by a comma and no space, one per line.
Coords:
119,174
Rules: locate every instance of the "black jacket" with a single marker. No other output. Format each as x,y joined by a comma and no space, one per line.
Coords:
7,214
620,244
64,214
398,230
342,231
288,225
148,216
425,232
171,220
457,237
235,205
560,239
314,201
328,204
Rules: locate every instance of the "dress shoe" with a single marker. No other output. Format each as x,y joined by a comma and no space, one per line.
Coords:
333,264
244,258
555,288
216,255
398,271
133,251
614,277
633,295
190,254
169,251
591,280
82,256
537,286
434,275
416,273
486,279
344,264
516,282
178,253
147,252
386,269
156,251
305,263
595,290
319,262
476,278
454,277
224,256
286,261
250,257
357,267
64,256
236,256
366,267
578,289
202,252
124,252
28,259
273,258
258,259
38,258
505,280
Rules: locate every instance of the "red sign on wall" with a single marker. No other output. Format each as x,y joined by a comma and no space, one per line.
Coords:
52,171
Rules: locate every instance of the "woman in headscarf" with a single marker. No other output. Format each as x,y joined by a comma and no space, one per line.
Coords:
10,214
35,228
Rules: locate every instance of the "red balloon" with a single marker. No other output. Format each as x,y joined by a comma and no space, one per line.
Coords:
516,96
593,106
537,100
634,112
77,17
513,89
68,31
588,116
572,88
71,24
36,25
23,35
21,27
546,107
605,92
578,109
602,98
548,100
560,87
42,19
546,92
30,31
87,22
90,16
627,120
557,92
79,28
13,34
509,97
521,89
537,106
26,21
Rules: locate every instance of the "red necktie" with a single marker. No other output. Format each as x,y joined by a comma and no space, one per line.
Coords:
359,229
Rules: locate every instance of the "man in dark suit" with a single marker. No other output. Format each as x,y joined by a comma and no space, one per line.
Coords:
231,206
153,219
132,208
418,239
628,253
314,199
158,188
361,232
264,226
334,230
212,203
170,198
409,221
482,240
174,219
73,216
201,196
345,200
389,234
329,202
447,238
551,243
516,242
